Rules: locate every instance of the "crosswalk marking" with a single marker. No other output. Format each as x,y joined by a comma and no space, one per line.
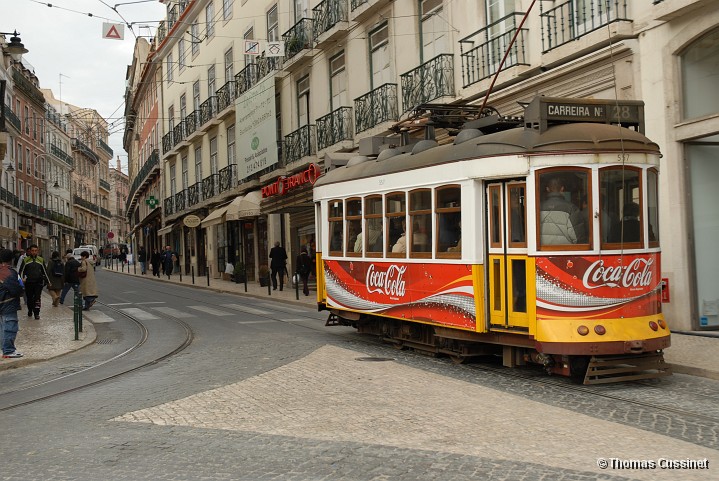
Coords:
294,320
210,310
249,310
97,317
120,304
150,302
256,322
139,313
276,306
174,312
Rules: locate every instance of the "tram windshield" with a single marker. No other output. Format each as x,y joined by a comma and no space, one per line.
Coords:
564,208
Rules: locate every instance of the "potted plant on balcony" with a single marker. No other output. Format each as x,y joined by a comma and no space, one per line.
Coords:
239,273
264,276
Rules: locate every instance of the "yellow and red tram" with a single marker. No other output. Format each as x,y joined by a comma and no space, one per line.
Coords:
534,238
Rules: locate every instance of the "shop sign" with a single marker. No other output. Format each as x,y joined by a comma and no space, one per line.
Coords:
191,220
256,128
284,185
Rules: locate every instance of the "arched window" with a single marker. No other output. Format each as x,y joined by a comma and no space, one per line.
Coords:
700,70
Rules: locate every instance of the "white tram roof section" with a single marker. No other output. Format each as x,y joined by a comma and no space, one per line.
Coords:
576,139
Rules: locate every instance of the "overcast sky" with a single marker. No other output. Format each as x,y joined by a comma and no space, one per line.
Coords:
63,39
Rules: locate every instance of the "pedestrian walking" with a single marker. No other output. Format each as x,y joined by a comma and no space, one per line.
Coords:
10,292
56,271
34,276
156,260
88,285
142,259
304,268
278,264
168,261
72,279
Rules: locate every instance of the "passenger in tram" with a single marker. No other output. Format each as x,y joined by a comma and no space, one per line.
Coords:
629,229
458,234
420,240
401,244
561,222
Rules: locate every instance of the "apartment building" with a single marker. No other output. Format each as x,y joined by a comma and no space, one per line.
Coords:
244,132
9,131
119,190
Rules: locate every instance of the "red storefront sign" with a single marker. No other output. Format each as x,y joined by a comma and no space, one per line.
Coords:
284,185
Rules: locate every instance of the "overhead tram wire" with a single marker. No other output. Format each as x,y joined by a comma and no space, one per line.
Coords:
86,14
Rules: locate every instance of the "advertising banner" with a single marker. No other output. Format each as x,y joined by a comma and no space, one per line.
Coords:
256,128
437,293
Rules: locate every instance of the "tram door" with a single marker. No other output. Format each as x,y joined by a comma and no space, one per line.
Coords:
508,264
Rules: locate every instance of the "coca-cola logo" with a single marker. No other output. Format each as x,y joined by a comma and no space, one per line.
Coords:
637,274
389,282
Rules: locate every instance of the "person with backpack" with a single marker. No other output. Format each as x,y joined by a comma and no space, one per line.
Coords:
56,270
10,292
34,276
304,268
72,280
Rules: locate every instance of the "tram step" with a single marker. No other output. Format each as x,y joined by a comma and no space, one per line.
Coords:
605,370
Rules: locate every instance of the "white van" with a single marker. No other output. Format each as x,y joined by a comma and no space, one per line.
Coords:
91,249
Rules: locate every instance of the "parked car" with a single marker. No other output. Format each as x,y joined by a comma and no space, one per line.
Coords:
91,249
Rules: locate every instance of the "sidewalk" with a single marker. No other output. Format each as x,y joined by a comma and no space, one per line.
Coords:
53,334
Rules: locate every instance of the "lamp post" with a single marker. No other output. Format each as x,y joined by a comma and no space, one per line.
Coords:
16,50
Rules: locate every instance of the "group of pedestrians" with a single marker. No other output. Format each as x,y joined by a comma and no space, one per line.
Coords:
278,265
163,263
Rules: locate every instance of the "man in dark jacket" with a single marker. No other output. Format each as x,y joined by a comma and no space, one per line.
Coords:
278,263
304,269
10,292
142,259
35,277
72,279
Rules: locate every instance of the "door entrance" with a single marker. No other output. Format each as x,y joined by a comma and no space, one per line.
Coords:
509,268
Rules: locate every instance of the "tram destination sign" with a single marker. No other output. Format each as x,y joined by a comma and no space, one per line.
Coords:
544,111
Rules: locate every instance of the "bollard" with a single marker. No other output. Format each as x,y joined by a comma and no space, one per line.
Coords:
134,267
180,271
269,288
208,275
192,271
297,285
77,315
245,281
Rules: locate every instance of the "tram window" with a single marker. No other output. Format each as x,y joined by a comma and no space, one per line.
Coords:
354,227
420,217
620,200
495,218
517,216
653,207
395,211
373,226
336,221
449,226
564,205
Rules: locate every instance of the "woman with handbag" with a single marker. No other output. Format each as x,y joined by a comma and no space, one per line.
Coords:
88,285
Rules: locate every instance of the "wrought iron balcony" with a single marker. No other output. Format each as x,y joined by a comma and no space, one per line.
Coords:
249,76
152,162
298,38
61,154
210,186
105,212
79,146
21,83
12,118
105,184
161,32
486,47
178,132
172,16
56,119
300,143
169,205
431,80
226,95
192,122
228,177
327,14
334,127
354,4
375,107
193,194
168,142
8,197
571,20
103,146
77,200
180,201
208,110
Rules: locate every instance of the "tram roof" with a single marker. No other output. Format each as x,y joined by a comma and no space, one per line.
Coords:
558,139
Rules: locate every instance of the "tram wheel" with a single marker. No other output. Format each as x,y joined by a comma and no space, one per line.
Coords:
399,345
458,358
578,366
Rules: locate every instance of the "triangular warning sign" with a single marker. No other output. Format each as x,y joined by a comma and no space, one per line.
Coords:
113,33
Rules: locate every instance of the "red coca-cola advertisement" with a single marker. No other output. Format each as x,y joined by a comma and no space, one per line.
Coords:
439,293
600,287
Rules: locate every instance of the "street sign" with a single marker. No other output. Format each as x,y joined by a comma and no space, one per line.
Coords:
152,202
110,235
113,31
191,220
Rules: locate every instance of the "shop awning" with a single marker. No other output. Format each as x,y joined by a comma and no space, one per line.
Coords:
245,206
165,230
217,216
24,234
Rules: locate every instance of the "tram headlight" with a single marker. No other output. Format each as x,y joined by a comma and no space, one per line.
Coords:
583,330
653,325
599,329
662,323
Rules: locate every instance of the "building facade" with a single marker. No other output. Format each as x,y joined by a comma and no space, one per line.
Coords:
257,98
10,130
119,190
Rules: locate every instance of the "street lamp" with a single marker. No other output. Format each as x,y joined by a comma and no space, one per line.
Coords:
15,48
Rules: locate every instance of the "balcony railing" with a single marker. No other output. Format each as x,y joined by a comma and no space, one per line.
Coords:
151,163
334,127
79,146
192,122
61,154
210,186
101,143
357,3
208,110
486,48
104,184
328,14
300,143
193,194
169,206
172,16
168,142
298,38
249,76
228,177
572,19
178,132
77,200
180,201
226,95
21,83
105,212
431,80
12,118
161,32
8,197
375,107
56,119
